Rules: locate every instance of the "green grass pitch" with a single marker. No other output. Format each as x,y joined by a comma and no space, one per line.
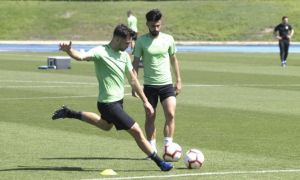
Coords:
242,110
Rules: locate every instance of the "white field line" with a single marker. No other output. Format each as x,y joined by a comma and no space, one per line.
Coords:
15,87
45,97
185,85
79,84
204,174
48,82
241,85
51,97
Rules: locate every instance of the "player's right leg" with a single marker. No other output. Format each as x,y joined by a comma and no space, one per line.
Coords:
286,50
282,53
151,92
89,117
96,120
150,129
65,112
145,146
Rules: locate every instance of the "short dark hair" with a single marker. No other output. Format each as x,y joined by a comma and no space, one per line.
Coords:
283,17
153,15
123,31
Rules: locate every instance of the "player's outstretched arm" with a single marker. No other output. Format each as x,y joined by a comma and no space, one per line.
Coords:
79,56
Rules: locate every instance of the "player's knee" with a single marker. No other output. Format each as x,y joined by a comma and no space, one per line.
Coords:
170,115
136,129
150,118
102,124
106,128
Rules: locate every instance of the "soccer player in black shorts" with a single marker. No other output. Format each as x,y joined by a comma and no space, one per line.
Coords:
112,65
284,32
157,50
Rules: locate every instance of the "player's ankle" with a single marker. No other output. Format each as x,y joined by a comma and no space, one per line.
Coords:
155,158
168,140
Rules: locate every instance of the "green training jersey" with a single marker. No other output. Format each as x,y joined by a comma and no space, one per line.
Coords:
155,53
132,23
111,68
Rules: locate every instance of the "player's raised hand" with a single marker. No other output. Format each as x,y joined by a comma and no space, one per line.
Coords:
65,47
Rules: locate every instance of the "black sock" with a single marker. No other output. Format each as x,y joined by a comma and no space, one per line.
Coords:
155,158
74,114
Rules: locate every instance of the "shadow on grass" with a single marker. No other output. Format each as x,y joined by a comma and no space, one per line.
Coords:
94,158
47,168
65,168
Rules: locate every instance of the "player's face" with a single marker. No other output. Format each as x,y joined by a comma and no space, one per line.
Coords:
285,20
154,27
124,43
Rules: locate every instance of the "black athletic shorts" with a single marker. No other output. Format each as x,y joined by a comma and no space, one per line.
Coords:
152,93
113,113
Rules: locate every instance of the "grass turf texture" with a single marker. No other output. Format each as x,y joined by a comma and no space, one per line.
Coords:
213,20
246,120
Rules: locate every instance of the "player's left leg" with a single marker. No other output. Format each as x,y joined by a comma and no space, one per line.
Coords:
140,139
168,101
282,52
113,112
286,49
169,107
145,146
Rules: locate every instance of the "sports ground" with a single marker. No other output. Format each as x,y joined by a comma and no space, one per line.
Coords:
240,109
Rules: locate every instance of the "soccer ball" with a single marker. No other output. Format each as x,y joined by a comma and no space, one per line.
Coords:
193,159
172,152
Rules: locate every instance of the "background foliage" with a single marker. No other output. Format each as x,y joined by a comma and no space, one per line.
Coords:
215,20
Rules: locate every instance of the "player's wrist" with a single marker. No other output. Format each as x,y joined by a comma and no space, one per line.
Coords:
68,49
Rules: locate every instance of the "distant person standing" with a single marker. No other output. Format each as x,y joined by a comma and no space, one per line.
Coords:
132,24
284,32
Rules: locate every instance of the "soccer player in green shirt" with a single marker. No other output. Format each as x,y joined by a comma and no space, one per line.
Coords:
132,21
158,52
112,64
132,24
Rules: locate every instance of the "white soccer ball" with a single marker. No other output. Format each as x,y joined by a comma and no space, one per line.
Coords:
172,152
193,159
